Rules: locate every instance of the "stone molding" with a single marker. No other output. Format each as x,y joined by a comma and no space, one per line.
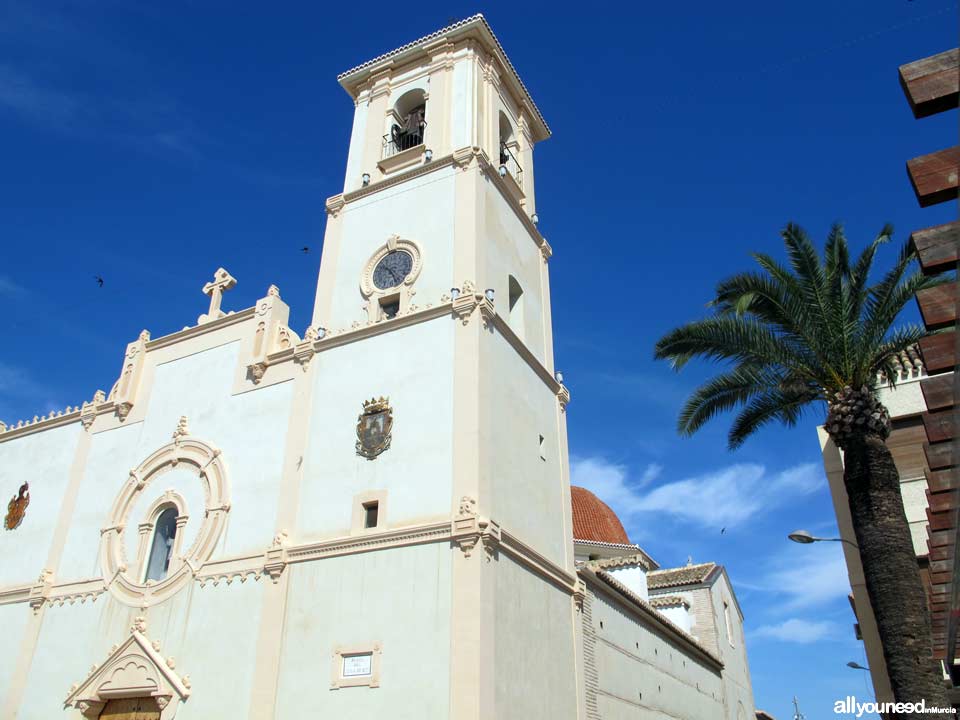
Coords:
302,351
124,581
337,680
466,531
135,668
372,295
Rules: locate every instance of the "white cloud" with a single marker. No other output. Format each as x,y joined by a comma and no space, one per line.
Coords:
796,630
807,575
723,498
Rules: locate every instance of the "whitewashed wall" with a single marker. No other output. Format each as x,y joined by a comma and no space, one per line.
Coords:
509,250
420,210
399,598
527,495
533,642
43,460
642,674
414,368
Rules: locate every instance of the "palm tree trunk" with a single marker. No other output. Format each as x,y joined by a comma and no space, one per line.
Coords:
891,572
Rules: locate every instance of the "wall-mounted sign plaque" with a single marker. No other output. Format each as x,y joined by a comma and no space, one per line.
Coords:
357,665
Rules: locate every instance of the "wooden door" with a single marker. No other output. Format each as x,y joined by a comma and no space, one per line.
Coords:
131,709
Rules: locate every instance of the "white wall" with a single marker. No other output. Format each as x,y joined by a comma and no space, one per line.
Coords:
527,494
419,210
533,644
633,578
643,675
399,598
72,638
43,460
414,368
249,428
13,620
509,250
733,651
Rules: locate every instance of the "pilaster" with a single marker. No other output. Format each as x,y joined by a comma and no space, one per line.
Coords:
270,634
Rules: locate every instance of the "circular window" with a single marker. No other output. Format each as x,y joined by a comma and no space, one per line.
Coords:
151,550
392,269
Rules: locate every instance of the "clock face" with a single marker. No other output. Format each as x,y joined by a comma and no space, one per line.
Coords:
392,269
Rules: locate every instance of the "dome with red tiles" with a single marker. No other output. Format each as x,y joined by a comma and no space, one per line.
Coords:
593,520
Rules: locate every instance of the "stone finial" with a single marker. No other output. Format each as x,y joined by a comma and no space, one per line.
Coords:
222,281
182,429
273,291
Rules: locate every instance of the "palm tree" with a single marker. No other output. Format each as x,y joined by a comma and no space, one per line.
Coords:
819,333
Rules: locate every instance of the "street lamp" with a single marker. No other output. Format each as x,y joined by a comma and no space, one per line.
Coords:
805,538
857,666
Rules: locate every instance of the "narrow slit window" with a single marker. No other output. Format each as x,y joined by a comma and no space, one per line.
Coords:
515,307
161,549
371,513
543,454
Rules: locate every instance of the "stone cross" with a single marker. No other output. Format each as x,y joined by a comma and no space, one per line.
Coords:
222,281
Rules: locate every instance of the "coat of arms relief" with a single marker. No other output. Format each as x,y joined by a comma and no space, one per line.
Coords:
374,428
17,508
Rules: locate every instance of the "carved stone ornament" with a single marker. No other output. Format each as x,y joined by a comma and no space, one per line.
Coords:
206,464
17,508
374,428
133,669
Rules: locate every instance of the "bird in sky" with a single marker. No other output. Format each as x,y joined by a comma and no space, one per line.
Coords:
722,530
305,249
99,280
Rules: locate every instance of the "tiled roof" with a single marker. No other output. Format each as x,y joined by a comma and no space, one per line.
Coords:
673,577
622,561
594,520
662,601
473,19
764,715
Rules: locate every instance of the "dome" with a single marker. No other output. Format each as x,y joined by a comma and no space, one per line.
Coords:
593,520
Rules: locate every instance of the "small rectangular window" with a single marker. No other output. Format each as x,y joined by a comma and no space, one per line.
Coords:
370,513
543,454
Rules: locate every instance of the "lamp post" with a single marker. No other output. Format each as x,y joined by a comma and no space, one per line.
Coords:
805,538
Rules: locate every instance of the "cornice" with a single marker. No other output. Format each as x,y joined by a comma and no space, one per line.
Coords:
472,28
189,333
465,531
463,158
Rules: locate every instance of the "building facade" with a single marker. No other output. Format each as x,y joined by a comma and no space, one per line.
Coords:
371,519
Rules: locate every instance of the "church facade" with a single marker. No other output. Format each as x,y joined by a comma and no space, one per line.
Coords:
258,523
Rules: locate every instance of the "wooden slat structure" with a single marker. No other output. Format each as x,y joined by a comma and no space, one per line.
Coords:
931,86
939,352
937,246
934,176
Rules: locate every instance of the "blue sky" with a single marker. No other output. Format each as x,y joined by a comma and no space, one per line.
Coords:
150,144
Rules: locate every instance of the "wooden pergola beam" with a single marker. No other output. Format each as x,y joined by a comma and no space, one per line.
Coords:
934,176
938,306
937,247
932,84
939,352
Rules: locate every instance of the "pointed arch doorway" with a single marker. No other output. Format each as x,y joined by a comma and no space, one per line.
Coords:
144,708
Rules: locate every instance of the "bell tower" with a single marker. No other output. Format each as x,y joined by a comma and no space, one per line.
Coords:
436,277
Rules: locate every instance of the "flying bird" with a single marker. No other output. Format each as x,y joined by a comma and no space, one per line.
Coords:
305,249
99,280
722,530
